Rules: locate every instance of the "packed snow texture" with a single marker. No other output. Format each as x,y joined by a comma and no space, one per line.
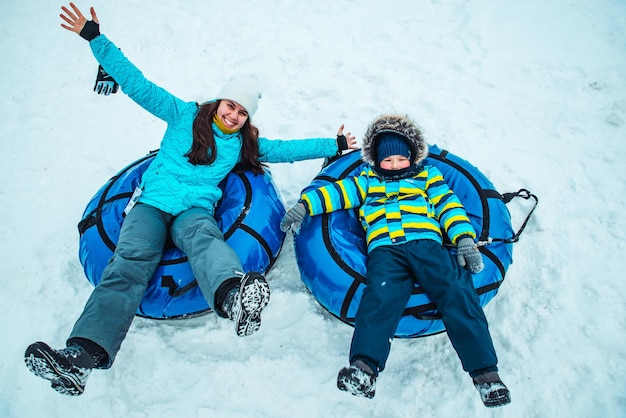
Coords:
531,92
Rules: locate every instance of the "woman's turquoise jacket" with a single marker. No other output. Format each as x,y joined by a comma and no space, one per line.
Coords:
171,182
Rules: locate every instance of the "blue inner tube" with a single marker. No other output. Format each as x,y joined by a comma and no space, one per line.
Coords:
248,214
331,252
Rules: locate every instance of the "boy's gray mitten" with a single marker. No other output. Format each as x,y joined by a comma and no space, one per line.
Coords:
468,255
293,218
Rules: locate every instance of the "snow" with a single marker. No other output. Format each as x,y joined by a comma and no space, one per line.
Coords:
533,93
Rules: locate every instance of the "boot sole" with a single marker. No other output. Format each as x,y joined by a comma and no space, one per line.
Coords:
347,382
503,396
253,298
501,401
43,365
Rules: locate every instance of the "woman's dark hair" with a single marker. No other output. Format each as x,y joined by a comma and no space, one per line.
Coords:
203,151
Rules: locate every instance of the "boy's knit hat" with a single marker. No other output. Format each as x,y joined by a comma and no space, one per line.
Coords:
243,90
391,143
397,125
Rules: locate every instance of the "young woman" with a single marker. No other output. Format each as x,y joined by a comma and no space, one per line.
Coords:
177,197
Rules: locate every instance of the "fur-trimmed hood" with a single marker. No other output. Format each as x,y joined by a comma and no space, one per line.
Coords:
401,125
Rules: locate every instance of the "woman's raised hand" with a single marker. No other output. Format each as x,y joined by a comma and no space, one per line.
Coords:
75,20
350,139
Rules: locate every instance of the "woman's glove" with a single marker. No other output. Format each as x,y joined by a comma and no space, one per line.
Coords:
468,255
293,218
90,31
345,142
342,143
105,84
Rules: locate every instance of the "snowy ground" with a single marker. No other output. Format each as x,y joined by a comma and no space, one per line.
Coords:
533,93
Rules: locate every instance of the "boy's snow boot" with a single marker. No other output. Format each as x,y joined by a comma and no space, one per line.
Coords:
67,369
244,304
491,389
358,379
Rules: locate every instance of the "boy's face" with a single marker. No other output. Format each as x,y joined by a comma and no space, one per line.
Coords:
395,162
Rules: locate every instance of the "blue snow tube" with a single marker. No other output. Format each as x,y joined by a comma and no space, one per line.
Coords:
331,251
248,214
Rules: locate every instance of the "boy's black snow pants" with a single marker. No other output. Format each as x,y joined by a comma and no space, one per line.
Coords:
391,273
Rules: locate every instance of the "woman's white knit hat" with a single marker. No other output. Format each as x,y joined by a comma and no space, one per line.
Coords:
244,90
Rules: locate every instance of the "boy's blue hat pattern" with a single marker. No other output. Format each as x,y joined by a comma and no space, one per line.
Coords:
399,125
390,143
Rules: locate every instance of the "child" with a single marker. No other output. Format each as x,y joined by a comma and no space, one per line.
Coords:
179,192
403,207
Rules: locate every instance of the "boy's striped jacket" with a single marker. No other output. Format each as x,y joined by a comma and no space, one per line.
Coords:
396,211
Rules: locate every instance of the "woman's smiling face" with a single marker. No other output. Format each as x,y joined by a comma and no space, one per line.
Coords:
232,114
